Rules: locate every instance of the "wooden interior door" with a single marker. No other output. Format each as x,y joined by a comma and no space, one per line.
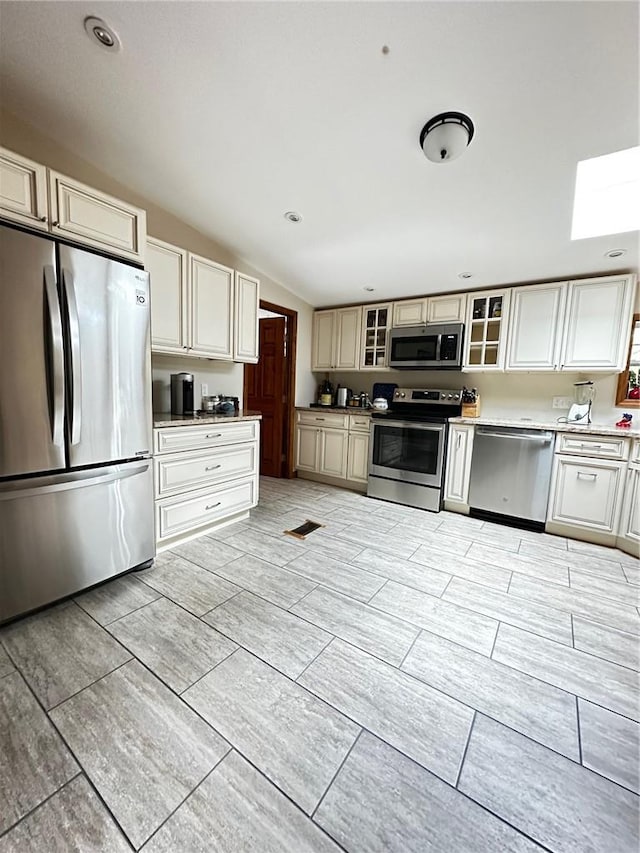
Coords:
265,383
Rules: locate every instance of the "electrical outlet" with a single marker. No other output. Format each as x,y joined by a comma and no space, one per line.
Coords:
205,389
562,402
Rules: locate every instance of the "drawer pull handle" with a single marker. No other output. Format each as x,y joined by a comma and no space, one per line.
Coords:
458,439
592,446
319,419
214,435
583,475
212,467
213,506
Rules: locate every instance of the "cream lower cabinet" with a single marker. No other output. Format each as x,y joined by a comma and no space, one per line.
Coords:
629,527
199,307
458,465
205,476
586,490
333,446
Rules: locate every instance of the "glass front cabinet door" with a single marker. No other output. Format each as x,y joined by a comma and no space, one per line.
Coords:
486,330
376,325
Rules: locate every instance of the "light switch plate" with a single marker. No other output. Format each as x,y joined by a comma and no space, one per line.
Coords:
562,402
205,390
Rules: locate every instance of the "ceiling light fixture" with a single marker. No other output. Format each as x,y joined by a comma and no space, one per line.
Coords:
465,275
445,136
100,32
615,253
292,216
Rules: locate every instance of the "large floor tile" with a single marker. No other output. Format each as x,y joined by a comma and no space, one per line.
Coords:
362,518
175,645
337,575
34,762
276,550
277,585
616,590
441,617
114,599
555,801
463,567
430,538
236,810
386,542
607,643
614,555
140,745
507,608
207,553
402,571
608,684
610,744
5,663
72,821
190,586
60,651
296,740
278,637
423,723
363,626
598,609
382,802
530,706
324,541
519,562
589,562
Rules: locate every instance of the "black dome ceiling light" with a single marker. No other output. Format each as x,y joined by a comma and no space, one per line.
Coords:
445,136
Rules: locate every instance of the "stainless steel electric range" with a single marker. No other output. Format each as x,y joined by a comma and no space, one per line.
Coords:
408,445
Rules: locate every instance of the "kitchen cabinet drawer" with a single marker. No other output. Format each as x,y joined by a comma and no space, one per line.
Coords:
328,419
82,213
174,439
198,509
586,493
598,446
359,423
183,471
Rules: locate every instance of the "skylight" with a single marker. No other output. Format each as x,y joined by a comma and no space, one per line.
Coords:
607,199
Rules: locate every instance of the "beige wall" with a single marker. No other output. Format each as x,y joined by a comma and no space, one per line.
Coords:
221,377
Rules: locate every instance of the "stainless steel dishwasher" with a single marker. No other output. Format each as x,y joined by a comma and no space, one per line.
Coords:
511,471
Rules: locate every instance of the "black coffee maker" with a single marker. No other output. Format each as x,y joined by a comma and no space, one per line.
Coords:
182,393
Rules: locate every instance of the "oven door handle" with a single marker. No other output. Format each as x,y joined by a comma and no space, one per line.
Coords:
432,427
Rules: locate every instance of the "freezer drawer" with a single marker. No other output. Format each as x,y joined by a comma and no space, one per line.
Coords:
61,534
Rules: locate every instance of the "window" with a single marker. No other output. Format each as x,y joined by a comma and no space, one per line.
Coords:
628,394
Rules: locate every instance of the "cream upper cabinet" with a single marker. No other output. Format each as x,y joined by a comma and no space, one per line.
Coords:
23,190
535,327
458,471
82,213
211,308
375,336
486,330
599,313
347,338
167,266
334,445
322,347
336,339
247,301
410,312
447,309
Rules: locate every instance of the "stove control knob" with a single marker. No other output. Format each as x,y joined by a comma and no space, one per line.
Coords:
456,396
443,396
450,397
403,394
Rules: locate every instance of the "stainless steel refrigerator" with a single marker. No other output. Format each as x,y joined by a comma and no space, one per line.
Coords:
76,481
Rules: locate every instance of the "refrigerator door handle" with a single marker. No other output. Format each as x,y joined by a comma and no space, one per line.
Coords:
72,480
75,369
56,359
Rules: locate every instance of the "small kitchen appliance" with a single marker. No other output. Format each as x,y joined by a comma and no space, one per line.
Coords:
181,393
580,411
436,346
342,395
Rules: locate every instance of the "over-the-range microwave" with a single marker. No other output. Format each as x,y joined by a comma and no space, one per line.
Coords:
436,346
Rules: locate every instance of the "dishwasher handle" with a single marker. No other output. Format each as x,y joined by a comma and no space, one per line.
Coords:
538,438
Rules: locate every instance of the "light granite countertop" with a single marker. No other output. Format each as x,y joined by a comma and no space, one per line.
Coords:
165,419
524,423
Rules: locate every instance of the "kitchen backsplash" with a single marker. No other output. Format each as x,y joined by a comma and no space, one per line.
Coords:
502,394
222,377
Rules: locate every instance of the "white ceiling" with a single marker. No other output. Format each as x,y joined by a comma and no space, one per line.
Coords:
230,114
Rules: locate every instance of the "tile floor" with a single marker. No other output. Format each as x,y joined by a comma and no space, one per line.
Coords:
399,681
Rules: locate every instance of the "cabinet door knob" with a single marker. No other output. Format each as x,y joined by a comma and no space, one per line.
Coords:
42,218
55,224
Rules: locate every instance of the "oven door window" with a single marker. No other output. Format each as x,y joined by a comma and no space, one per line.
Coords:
414,450
420,348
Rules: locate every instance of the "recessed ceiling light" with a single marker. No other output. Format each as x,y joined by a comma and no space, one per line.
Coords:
292,216
615,253
102,33
369,289
465,275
